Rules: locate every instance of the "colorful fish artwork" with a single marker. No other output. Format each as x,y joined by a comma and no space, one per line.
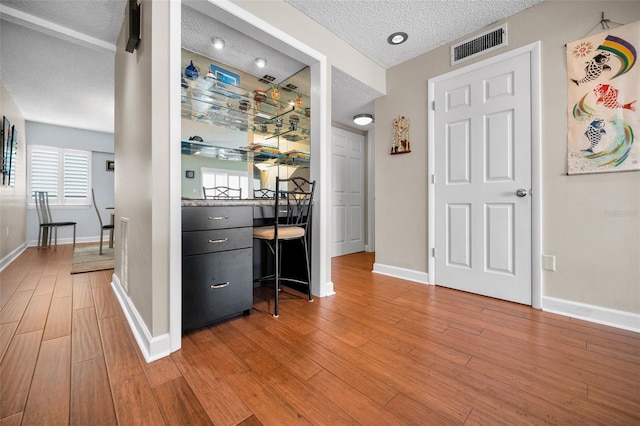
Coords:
623,50
582,110
594,133
594,68
619,150
608,96
603,111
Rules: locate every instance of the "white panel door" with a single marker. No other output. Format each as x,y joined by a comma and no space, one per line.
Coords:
483,180
348,198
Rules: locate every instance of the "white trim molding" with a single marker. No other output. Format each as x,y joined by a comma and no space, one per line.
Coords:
598,314
63,241
152,347
6,261
402,273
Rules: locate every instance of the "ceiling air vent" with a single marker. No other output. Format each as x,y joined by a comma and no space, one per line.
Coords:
489,40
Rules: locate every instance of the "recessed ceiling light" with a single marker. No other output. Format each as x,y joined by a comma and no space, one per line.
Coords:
397,38
261,62
362,119
218,43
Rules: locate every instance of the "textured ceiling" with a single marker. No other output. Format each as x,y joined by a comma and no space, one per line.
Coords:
366,24
55,81
101,19
56,78
240,50
66,77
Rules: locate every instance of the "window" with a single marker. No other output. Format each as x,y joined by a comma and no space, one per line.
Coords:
230,178
63,173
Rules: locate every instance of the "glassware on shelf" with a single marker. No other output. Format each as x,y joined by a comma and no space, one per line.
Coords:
191,71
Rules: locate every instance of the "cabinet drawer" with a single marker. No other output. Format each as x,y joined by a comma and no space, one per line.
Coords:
216,286
199,242
199,218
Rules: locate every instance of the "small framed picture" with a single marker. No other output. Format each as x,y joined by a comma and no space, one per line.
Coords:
190,174
111,165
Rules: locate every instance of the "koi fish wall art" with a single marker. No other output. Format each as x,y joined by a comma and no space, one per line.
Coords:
603,92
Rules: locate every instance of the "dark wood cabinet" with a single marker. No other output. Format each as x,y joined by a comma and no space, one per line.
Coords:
217,259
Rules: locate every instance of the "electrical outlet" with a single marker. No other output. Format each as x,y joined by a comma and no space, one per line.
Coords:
548,262
7,231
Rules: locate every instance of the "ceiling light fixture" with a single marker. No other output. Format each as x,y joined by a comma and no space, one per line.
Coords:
218,43
261,62
363,119
397,38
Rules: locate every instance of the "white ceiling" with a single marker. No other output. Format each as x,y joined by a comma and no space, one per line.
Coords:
366,24
57,56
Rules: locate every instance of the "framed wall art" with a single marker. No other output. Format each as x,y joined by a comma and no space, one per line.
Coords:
603,90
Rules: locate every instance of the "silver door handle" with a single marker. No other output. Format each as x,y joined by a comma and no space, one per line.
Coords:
521,192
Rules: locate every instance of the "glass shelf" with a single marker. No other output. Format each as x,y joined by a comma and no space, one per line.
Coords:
260,140
235,107
295,158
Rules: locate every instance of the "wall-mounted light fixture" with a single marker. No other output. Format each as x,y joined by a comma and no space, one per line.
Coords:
362,119
261,62
135,16
218,43
397,38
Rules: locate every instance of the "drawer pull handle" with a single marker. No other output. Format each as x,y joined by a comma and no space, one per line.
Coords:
223,240
222,285
218,217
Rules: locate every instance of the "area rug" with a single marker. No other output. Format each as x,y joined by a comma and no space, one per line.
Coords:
88,259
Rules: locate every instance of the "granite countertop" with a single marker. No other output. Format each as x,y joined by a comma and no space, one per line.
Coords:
199,202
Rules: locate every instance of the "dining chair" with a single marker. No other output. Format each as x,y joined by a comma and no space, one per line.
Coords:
264,193
46,220
108,227
222,193
293,204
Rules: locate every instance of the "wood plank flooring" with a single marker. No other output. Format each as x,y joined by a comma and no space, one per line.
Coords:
381,351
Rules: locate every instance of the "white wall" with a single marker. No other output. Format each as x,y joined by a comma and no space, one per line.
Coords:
101,146
13,225
143,176
597,253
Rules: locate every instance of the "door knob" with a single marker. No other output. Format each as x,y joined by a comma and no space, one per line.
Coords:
521,192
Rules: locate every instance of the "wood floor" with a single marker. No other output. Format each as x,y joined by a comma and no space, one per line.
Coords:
382,351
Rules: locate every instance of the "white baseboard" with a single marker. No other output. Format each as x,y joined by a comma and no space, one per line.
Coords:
6,261
328,290
405,274
598,314
61,241
152,348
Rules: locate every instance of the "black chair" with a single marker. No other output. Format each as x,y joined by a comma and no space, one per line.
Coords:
294,203
108,227
46,221
264,193
222,193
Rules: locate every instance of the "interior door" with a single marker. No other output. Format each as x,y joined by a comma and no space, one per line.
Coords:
348,157
483,180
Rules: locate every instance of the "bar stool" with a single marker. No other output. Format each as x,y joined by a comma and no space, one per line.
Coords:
293,207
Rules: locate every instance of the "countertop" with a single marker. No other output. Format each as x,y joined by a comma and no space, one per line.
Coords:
199,202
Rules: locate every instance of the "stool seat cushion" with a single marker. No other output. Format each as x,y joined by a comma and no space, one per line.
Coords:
284,233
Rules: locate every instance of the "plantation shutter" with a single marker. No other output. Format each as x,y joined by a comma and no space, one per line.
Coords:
44,172
76,176
63,173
